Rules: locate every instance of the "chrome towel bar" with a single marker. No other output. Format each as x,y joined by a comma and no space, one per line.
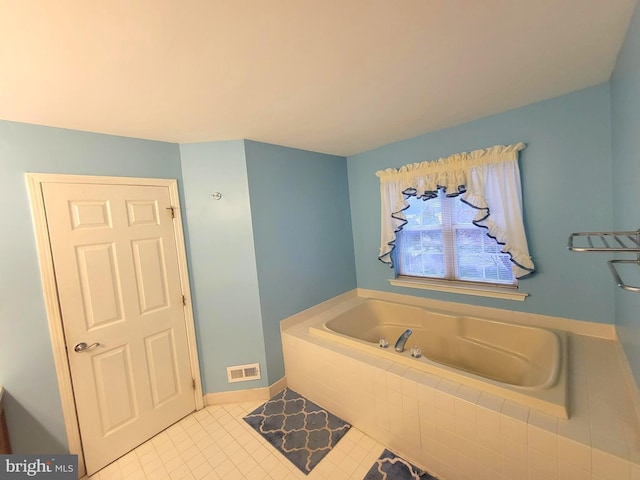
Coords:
627,242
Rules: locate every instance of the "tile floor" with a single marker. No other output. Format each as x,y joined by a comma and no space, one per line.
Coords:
216,443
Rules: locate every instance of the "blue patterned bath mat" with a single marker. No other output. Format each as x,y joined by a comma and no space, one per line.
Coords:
297,427
390,466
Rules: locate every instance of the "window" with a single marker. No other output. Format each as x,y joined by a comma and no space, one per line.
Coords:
447,243
440,241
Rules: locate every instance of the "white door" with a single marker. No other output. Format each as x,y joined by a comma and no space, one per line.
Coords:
116,269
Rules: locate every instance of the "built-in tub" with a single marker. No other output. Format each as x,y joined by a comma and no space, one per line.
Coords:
521,363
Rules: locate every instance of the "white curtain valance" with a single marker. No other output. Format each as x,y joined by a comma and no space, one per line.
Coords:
487,179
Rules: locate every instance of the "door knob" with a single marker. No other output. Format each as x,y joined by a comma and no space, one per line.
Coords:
82,346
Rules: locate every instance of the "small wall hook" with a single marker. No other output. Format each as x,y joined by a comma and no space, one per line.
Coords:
216,195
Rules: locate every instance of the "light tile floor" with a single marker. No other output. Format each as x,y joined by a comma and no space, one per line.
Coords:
216,443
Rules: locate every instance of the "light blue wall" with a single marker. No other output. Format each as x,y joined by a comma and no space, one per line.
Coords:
566,182
27,371
302,233
625,118
224,280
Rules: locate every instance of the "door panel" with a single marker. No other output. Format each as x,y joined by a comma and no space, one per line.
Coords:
161,358
90,214
113,372
99,283
116,265
148,258
142,213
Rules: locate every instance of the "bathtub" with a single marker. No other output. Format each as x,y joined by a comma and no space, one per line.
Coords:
525,364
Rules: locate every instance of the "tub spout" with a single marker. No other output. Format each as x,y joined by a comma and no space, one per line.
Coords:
402,339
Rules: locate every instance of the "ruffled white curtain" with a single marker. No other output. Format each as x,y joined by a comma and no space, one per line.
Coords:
488,180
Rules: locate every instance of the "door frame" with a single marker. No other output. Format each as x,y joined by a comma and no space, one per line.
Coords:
52,304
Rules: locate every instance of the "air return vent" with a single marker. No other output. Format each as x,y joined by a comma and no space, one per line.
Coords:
242,373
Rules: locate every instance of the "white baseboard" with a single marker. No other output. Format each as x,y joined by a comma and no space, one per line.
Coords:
248,395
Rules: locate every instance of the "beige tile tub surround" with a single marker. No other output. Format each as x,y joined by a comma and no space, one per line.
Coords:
459,432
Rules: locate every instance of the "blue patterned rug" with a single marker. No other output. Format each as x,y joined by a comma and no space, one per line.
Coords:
298,428
391,467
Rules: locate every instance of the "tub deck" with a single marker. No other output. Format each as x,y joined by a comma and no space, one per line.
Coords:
458,431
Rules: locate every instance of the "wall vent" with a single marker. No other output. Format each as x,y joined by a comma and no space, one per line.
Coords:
242,373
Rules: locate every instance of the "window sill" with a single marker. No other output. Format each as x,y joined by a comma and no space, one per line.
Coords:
505,293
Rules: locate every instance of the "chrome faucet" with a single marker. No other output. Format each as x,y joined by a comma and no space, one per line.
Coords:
402,339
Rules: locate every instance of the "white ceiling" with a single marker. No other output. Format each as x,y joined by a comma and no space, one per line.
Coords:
335,76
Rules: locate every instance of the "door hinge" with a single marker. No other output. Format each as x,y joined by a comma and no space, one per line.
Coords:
184,300
193,383
172,211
